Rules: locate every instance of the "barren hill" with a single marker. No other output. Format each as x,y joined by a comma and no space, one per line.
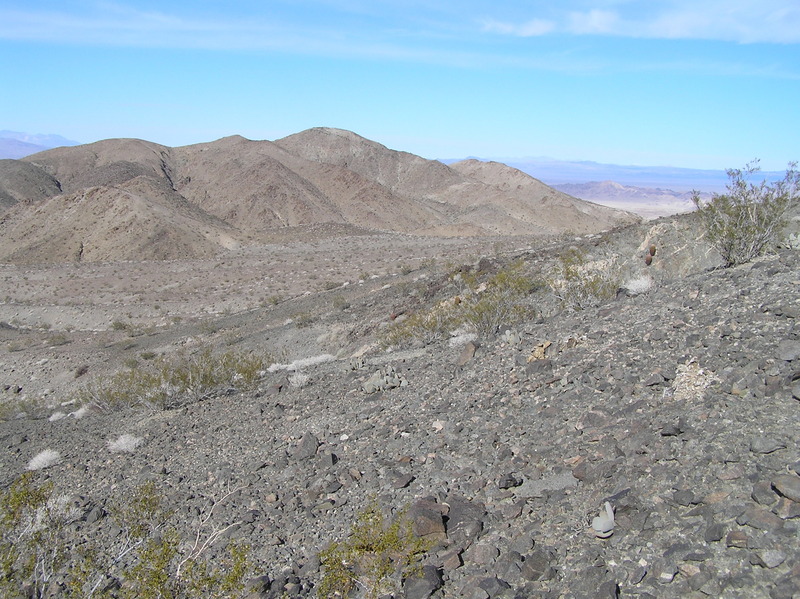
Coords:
133,199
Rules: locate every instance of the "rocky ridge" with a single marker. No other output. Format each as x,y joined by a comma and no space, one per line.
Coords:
129,199
676,406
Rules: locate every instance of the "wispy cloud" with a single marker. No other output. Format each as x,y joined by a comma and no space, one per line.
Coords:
741,21
124,26
534,27
593,22
434,32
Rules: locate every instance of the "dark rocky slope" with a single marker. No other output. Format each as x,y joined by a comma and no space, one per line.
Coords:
676,407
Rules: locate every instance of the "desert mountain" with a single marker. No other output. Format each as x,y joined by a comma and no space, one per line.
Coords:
134,199
15,144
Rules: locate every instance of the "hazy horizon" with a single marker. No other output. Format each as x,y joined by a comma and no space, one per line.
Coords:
551,170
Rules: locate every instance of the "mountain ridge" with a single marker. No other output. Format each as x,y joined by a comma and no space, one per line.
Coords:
240,189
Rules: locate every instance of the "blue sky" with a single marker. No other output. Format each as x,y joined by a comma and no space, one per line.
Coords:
693,83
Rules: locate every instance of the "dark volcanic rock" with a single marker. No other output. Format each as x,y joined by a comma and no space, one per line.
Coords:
675,407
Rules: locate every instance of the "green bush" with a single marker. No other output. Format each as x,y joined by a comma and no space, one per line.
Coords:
370,556
742,223
580,284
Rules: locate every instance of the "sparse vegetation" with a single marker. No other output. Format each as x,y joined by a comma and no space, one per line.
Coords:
580,284
339,302
32,550
373,553
742,223
148,556
17,407
639,285
501,302
166,382
118,325
482,306
44,459
57,340
302,319
126,443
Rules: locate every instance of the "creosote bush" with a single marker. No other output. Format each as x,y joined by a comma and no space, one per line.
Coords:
742,223
370,557
168,382
580,284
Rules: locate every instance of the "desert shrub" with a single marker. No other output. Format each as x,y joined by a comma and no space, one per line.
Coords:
638,285
426,326
32,523
339,302
22,407
501,302
372,554
145,560
579,284
58,339
119,325
481,305
15,346
44,459
742,223
126,443
166,382
302,319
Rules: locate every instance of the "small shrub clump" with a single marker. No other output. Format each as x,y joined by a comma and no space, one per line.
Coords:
32,551
481,306
167,382
579,284
742,223
44,459
368,559
146,560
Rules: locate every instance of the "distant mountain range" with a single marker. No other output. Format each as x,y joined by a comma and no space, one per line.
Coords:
558,172
645,201
130,199
664,178
14,144
650,191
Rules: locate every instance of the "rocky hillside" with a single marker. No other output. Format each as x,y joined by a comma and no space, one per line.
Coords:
131,199
646,447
